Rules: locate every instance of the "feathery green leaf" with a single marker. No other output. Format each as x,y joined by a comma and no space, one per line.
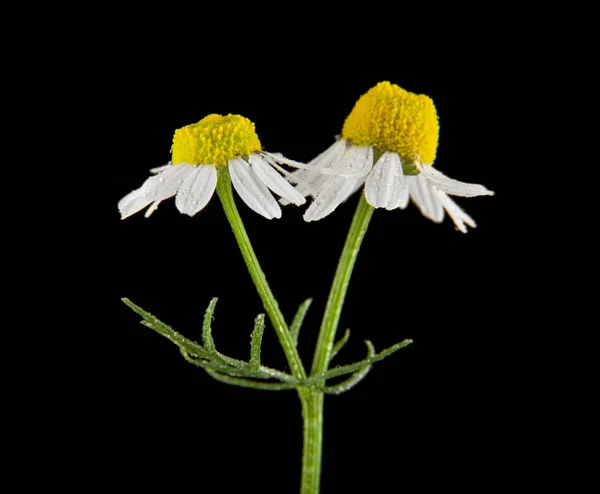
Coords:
246,383
339,344
350,368
256,340
299,319
207,338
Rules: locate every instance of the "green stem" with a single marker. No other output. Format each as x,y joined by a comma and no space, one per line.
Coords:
258,277
339,287
313,401
312,445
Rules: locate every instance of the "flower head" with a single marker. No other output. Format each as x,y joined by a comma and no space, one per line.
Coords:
197,152
215,139
388,144
390,118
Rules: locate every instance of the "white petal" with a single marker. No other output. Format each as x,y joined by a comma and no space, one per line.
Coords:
455,212
323,159
295,177
385,186
404,199
306,184
151,209
356,162
332,192
311,178
425,198
160,168
292,177
132,203
197,189
282,159
274,181
358,185
336,175
330,155
166,183
254,193
451,186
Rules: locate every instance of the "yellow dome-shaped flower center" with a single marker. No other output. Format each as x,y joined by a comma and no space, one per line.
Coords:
214,140
395,120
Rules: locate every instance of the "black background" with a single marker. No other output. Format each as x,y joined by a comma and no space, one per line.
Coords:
130,411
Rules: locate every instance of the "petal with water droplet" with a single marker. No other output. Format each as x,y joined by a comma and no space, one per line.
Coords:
451,186
166,183
385,186
197,189
423,196
250,188
274,181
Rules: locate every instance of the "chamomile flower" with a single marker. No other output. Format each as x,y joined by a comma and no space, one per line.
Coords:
197,152
388,144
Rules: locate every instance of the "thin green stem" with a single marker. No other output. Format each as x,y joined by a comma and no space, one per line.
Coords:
313,401
312,445
225,193
339,287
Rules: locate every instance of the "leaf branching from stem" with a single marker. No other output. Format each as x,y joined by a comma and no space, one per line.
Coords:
253,374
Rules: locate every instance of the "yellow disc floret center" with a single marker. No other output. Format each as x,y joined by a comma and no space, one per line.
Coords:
390,118
214,140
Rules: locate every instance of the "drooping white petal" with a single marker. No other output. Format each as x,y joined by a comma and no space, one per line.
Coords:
274,181
330,155
311,178
292,177
358,185
197,189
451,186
132,203
250,188
459,217
296,177
323,159
332,192
336,174
424,197
385,186
303,187
405,198
153,207
282,159
166,183
355,162
159,169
